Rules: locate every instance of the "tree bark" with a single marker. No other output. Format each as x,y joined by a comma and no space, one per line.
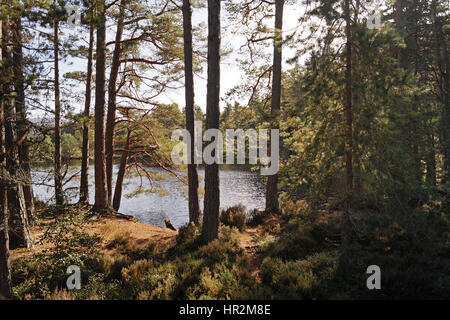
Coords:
84,180
212,200
19,235
272,181
101,189
5,264
22,127
443,63
194,206
121,174
446,111
59,196
431,161
111,117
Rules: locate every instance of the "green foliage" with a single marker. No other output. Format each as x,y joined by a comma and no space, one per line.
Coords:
70,146
189,232
43,149
298,262
213,271
412,252
301,279
67,243
399,217
300,238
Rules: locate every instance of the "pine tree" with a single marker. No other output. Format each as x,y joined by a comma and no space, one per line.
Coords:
193,185
212,200
272,181
111,116
59,196
84,182
101,190
5,264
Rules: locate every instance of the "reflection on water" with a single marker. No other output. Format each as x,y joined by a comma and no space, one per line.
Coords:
236,186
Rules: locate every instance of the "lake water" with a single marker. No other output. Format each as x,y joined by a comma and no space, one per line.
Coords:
236,186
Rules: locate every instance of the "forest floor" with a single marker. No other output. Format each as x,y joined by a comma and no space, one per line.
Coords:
251,240
288,256
114,228
110,228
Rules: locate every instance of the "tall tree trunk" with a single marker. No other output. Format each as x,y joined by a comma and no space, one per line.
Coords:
121,174
84,180
346,228
446,113
403,62
212,200
400,23
415,134
101,189
443,65
22,127
111,117
5,266
19,235
59,196
356,105
431,161
272,181
443,62
194,206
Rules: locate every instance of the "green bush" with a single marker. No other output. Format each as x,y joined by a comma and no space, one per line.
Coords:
69,244
256,217
300,238
187,232
300,279
234,217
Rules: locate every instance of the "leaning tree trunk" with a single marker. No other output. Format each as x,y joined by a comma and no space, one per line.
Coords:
111,117
84,180
212,201
19,234
272,181
121,174
101,190
59,197
5,266
194,206
22,127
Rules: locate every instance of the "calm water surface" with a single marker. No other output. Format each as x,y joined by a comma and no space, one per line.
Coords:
236,186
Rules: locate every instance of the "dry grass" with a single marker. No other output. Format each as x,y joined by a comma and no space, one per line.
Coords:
108,228
139,234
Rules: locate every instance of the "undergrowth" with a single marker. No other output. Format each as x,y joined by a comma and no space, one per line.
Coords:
298,262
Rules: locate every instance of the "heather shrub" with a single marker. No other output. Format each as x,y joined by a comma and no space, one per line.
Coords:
234,217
